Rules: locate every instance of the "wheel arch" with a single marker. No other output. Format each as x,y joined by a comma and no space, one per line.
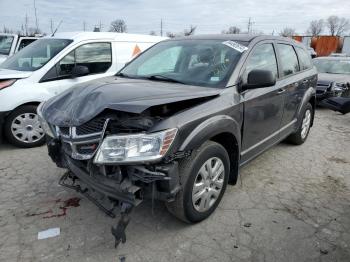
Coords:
309,97
223,130
32,103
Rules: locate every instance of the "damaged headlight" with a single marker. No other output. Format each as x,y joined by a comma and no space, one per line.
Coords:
133,148
44,125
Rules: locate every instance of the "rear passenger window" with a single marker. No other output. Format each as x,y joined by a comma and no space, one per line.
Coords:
263,57
95,56
304,59
288,59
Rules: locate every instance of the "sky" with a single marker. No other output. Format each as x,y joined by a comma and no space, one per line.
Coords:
143,16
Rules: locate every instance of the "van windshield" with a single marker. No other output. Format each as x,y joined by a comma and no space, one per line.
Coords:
5,44
35,55
193,62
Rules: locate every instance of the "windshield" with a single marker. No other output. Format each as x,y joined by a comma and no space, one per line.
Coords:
192,62
333,66
35,55
5,44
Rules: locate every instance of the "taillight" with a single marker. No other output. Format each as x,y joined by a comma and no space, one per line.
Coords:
6,83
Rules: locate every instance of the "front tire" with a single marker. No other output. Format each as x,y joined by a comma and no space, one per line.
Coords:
23,129
203,177
300,136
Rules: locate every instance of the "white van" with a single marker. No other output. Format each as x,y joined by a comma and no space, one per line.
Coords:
51,65
12,43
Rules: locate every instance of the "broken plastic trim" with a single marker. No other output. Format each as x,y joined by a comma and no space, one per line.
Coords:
119,231
77,188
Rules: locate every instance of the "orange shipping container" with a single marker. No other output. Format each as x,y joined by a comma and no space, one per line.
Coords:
325,45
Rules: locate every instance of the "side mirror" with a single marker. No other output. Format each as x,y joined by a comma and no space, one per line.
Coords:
80,70
259,79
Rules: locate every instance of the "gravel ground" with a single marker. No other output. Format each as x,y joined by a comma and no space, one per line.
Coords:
291,204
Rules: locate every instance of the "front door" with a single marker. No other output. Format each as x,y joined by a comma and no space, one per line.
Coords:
263,107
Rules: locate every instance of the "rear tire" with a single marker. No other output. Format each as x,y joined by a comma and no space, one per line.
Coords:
210,156
22,127
300,136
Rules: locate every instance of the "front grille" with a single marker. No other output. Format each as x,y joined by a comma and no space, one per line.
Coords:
87,149
93,126
64,131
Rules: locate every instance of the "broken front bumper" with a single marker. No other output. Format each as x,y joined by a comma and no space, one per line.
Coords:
133,184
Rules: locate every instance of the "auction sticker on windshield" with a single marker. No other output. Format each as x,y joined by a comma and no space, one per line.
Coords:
238,47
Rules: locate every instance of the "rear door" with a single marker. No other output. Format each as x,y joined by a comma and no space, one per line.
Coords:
292,84
263,107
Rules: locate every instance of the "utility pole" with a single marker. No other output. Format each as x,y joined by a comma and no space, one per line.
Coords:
161,27
84,26
51,26
100,26
26,24
36,19
249,25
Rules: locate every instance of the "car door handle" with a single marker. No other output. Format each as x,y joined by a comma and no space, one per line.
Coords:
281,91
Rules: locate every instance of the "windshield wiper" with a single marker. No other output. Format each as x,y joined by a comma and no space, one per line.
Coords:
164,78
122,75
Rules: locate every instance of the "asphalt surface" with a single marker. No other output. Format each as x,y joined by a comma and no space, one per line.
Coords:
292,203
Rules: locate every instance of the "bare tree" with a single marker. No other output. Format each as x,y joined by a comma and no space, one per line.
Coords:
32,31
232,30
337,25
188,32
7,30
288,32
153,32
118,25
315,27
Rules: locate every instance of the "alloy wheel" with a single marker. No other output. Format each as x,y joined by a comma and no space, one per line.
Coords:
208,184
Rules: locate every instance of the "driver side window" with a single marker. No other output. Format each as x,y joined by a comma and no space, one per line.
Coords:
97,57
264,58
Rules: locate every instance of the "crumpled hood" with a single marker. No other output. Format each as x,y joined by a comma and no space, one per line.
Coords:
83,102
326,78
8,74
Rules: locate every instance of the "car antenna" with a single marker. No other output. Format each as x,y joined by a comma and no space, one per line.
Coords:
54,32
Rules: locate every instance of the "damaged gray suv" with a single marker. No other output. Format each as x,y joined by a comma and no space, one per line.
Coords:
177,122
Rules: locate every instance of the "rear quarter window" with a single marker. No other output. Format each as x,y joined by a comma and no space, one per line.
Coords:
304,59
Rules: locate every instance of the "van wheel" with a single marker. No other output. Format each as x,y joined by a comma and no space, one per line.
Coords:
300,136
203,177
23,129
